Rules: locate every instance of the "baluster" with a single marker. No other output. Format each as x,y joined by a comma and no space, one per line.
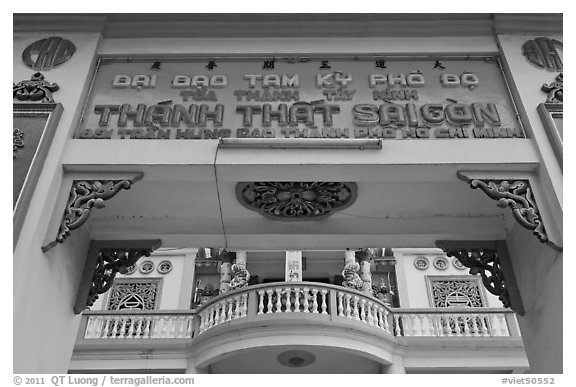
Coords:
182,327
503,326
210,317
147,326
378,317
165,326
397,325
139,327
315,300
355,308
384,312
244,305
306,299
260,301
114,329
340,306
297,293
474,330
363,310
171,326
288,300
237,311
90,328
104,333
189,326
323,293
438,327
269,306
124,329
131,323
347,301
484,325
230,314
278,300
202,322
370,317
457,325
466,327
412,329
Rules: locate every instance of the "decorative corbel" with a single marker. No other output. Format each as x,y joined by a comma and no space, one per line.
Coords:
86,195
518,195
491,260
105,260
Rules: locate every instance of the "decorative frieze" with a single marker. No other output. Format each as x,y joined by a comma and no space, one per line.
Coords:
296,200
18,141
34,89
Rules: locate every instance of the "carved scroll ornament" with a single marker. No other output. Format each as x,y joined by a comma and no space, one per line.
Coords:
518,195
84,196
109,263
34,89
296,200
18,141
555,90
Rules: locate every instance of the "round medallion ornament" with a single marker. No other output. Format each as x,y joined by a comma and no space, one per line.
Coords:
457,264
422,263
130,269
440,263
45,54
287,200
164,267
146,267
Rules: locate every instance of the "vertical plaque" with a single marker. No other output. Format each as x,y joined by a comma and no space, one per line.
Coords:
34,126
293,266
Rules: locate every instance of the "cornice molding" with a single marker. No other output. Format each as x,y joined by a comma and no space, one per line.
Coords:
289,25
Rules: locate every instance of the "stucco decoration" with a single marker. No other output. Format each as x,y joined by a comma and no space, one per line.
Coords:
296,200
47,53
146,267
555,90
34,89
109,263
543,52
440,263
518,195
18,140
84,196
241,276
421,263
351,278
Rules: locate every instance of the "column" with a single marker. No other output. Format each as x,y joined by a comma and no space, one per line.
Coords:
227,257
293,270
365,274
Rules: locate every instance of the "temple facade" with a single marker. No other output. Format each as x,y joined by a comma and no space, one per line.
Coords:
266,193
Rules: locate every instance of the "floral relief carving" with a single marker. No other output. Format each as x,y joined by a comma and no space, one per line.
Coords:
296,200
34,89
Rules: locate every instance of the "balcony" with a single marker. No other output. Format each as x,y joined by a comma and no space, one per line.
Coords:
310,302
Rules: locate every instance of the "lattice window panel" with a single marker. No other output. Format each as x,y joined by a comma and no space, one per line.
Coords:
456,293
134,295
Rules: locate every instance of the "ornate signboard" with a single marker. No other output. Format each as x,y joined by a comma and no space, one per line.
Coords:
34,125
395,98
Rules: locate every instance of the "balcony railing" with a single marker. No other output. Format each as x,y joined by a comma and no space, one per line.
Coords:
322,302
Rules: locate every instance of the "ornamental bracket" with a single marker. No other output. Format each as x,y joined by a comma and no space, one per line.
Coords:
85,195
516,193
106,259
491,260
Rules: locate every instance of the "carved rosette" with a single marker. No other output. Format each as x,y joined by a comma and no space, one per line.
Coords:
486,263
555,90
110,262
84,196
517,195
296,200
34,89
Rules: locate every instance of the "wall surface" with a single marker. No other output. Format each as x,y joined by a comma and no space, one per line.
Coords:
538,271
45,284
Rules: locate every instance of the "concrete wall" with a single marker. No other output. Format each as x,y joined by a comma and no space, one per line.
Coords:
538,271
45,284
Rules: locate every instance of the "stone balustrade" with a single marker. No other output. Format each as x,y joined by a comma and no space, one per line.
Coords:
455,322
310,301
138,324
